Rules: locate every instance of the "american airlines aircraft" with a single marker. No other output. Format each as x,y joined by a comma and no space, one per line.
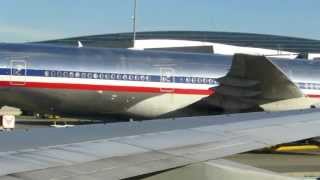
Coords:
120,82
131,83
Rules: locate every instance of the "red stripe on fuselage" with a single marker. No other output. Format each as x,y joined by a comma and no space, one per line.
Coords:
313,95
106,88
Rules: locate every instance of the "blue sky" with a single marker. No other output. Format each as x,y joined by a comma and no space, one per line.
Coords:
33,20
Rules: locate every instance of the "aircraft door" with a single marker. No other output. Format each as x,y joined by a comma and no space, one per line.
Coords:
167,76
18,72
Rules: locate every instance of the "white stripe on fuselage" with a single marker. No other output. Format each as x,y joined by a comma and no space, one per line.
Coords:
123,83
107,82
310,91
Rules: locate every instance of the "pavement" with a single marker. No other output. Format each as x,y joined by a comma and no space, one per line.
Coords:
29,122
293,163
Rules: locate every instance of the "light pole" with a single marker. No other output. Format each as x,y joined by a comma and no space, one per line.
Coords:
134,22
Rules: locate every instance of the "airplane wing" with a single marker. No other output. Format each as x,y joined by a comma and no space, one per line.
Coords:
255,82
129,149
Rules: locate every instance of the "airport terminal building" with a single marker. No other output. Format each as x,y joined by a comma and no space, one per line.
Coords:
125,40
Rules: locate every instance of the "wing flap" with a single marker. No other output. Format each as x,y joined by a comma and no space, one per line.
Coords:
254,77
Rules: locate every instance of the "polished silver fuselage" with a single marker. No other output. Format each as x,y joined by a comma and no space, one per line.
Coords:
75,81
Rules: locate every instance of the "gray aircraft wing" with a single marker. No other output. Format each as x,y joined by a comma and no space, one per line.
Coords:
129,149
255,82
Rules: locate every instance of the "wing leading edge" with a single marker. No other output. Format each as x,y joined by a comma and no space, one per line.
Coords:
131,149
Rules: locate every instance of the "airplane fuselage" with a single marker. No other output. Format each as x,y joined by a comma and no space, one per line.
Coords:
107,82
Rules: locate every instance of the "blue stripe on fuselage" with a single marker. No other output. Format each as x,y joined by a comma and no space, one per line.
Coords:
129,77
109,76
